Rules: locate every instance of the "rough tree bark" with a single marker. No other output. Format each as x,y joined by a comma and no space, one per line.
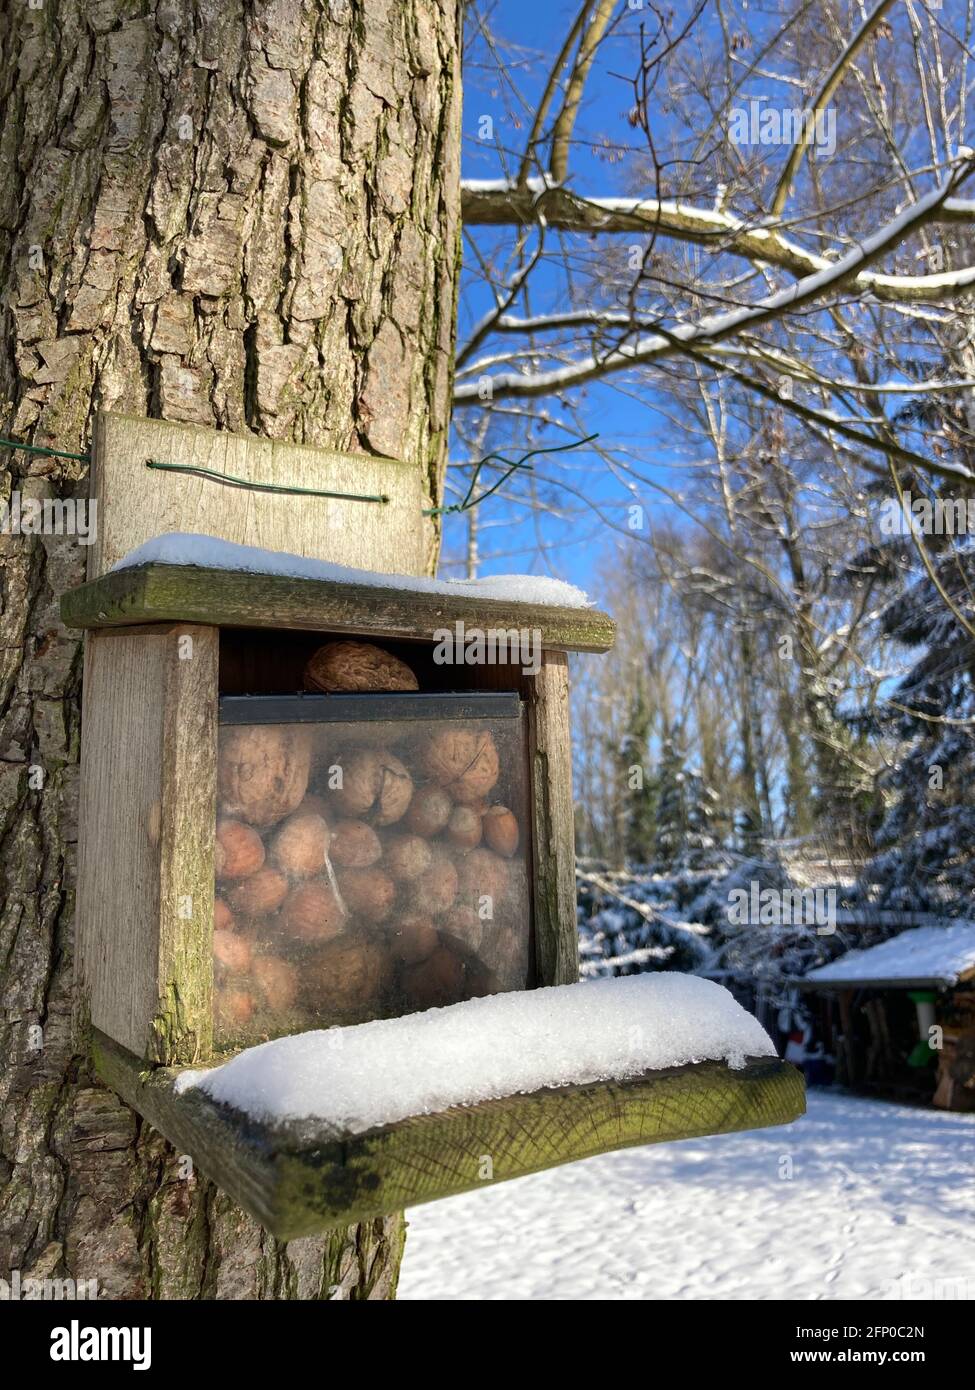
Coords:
241,213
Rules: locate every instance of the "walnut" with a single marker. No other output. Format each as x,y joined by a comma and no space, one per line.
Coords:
429,811
346,977
314,803
300,846
436,888
241,849
412,937
465,761
357,666
262,772
367,892
500,830
435,982
231,952
483,873
232,1008
313,913
223,918
277,982
464,828
355,845
407,857
505,952
263,892
374,783
464,925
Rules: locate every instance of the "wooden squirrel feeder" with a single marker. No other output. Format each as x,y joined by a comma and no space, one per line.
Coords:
294,816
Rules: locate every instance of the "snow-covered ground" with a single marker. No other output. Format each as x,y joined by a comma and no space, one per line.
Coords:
859,1199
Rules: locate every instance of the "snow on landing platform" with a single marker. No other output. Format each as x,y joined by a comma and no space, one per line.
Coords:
373,1074
934,955
207,552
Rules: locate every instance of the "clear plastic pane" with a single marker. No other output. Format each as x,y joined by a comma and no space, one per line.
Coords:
366,870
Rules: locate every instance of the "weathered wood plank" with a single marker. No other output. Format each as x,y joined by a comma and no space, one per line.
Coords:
183,1026
136,503
300,1180
231,598
148,806
553,828
118,853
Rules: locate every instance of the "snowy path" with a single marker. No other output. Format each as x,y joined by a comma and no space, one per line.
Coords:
880,1204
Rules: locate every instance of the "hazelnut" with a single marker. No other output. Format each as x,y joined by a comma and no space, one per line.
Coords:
429,811
312,912
277,982
464,761
464,828
483,873
232,1007
500,830
408,856
223,918
435,982
357,666
300,846
367,892
355,845
262,771
263,892
413,937
231,952
374,783
317,804
436,888
345,977
241,849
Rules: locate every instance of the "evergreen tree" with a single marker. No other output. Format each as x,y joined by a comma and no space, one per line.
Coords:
686,829
925,836
639,787
925,842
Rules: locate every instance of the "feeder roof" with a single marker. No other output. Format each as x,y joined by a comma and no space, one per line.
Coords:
190,578
935,957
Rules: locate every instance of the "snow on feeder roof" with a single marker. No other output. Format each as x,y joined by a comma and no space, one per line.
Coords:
924,957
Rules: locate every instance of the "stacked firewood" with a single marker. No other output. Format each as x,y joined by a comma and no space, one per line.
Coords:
956,1060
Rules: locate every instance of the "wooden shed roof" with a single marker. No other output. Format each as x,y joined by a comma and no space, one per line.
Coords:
930,957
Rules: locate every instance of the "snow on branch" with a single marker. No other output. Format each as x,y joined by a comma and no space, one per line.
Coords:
645,910
500,202
715,327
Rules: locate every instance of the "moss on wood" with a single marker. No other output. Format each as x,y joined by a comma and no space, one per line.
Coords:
154,593
298,1180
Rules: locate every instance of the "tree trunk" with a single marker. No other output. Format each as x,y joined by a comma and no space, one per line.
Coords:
245,215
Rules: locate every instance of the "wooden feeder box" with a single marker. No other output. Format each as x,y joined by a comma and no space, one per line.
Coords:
259,858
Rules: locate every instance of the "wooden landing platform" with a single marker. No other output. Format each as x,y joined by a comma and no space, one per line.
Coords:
301,1179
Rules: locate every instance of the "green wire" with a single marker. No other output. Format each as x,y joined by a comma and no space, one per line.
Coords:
512,465
39,449
263,487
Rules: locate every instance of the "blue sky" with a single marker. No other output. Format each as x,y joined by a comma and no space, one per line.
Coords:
579,541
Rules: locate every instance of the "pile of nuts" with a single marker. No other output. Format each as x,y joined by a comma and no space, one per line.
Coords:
355,881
